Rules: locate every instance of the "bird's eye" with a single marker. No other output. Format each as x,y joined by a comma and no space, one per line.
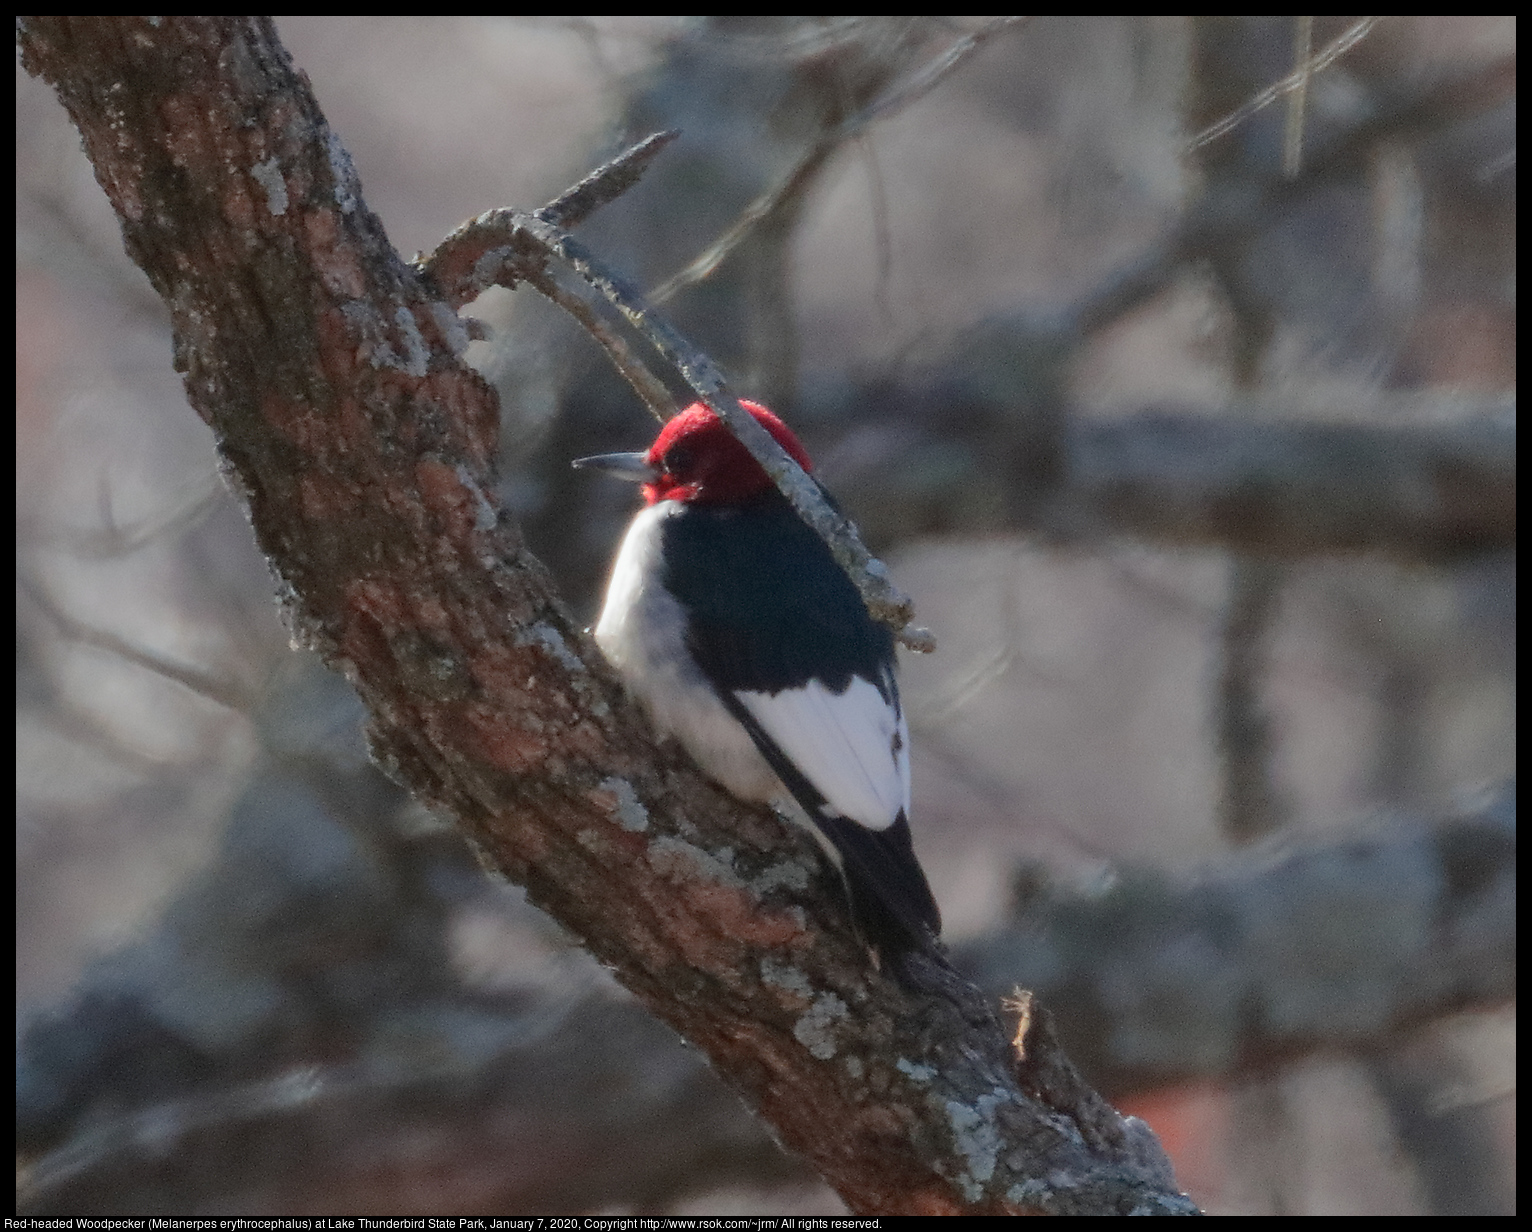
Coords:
679,460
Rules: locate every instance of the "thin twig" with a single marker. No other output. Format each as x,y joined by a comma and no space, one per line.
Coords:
114,541
494,250
220,689
491,250
652,391
936,71
808,165
1295,80
881,232
606,183
1297,101
763,207
802,42
1221,219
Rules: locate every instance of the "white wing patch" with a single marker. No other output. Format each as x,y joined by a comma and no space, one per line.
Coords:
852,746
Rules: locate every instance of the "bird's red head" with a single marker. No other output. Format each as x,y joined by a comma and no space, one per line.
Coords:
699,460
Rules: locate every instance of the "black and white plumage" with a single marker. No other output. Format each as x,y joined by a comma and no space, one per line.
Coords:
732,624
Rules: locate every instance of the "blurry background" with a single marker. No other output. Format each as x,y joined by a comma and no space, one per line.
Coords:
253,977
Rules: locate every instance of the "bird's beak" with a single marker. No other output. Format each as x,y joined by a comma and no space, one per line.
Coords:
634,467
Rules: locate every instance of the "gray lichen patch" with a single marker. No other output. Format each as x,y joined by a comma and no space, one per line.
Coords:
814,1030
631,813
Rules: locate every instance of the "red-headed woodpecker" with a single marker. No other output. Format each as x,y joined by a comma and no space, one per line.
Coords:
732,624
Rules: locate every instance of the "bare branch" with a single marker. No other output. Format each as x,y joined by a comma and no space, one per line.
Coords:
111,540
1297,80
206,684
490,251
1261,481
1228,218
1297,103
814,158
1161,981
606,183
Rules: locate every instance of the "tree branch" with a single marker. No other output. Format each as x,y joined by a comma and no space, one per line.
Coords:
1265,484
802,172
1339,946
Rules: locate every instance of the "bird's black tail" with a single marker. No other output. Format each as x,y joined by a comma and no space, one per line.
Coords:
891,902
